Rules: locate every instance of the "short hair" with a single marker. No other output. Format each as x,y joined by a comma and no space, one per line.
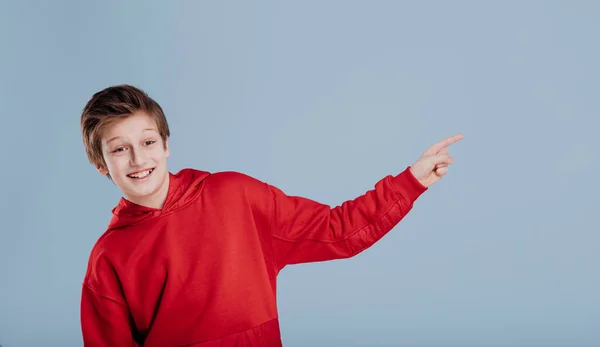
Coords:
112,104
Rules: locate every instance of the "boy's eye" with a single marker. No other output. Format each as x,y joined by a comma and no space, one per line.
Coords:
149,142
120,149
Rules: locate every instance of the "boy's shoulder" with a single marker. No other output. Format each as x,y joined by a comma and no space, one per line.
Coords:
215,177
230,179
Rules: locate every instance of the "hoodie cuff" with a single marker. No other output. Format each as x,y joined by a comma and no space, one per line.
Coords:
407,186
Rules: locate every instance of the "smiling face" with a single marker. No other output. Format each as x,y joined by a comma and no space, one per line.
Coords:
136,159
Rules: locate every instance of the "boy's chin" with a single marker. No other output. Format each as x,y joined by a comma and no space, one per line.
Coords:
141,196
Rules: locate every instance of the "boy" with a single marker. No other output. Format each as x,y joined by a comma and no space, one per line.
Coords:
191,259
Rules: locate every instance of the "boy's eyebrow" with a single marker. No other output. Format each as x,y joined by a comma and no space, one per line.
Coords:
118,137
114,138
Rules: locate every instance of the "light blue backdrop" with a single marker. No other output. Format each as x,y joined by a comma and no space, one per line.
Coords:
323,98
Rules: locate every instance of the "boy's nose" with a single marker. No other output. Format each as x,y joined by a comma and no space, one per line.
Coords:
137,158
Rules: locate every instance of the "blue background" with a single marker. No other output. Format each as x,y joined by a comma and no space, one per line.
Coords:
322,99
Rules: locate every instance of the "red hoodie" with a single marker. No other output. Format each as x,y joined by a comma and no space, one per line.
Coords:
202,270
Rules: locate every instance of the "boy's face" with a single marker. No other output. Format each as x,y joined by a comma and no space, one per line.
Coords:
136,159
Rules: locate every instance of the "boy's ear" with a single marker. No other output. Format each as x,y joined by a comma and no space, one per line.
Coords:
167,152
102,170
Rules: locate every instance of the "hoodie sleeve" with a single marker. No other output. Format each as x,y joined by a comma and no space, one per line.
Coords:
104,321
105,317
304,230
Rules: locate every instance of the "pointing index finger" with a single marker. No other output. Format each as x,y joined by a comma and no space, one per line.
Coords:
443,144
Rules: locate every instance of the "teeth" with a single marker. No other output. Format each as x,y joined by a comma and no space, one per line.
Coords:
140,174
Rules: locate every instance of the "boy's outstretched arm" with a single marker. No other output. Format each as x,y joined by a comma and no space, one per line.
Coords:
304,230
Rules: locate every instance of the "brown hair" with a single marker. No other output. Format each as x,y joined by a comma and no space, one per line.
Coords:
111,104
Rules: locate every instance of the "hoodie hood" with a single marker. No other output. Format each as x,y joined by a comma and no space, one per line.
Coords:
184,187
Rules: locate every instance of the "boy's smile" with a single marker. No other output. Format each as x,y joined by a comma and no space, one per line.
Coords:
136,159
141,175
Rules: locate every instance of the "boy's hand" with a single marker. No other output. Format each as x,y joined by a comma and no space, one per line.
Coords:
433,164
